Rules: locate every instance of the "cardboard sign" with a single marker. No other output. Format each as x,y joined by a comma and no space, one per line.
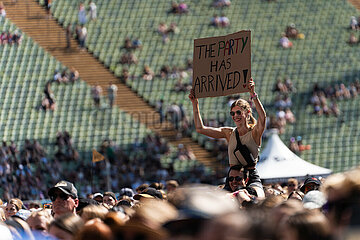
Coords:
222,65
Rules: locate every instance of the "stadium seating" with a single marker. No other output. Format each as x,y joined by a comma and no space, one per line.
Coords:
322,57
25,69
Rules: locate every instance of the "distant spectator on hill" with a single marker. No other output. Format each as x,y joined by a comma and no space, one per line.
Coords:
92,7
57,76
222,3
173,29
164,71
148,74
224,21
280,86
124,75
163,30
9,38
64,76
353,40
96,93
82,14
293,146
160,109
354,25
302,147
2,10
3,38
127,44
173,113
82,37
215,21
185,153
112,91
174,7
289,116
68,36
183,8
285,42
48,102
334,108
128,58
74,75
291,32
136,43
289,85
179,8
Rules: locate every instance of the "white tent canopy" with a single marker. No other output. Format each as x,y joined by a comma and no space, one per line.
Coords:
279,162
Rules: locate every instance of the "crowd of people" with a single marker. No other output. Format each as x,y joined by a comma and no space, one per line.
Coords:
291,32
14,38
96,93
165,31
282,103
354,23
354,26
321,96
318,208
85,14
26,172
128,57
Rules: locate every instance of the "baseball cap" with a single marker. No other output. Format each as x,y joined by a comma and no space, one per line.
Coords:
314,199
149,193
127,192
64,186
308,181
97,195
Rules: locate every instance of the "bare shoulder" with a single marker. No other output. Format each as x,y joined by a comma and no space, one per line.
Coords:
227,131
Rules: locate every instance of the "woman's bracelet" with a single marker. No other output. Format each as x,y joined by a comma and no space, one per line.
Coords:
254,96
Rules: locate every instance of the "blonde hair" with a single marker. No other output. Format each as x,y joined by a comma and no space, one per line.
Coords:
2,215
68,222
93,211
46,213
251,121
17,202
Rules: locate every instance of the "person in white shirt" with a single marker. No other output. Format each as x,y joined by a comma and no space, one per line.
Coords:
112,90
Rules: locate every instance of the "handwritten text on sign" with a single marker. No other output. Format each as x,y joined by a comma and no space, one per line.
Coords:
222,65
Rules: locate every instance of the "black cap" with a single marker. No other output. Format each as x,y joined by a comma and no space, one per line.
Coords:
310,180
127,192
83,202
66,187
149,193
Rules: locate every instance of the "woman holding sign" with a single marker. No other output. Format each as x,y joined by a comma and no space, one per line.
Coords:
244,141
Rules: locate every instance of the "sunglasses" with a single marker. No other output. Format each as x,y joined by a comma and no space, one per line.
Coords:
311,187
238,112
62,195
291,185
237,178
